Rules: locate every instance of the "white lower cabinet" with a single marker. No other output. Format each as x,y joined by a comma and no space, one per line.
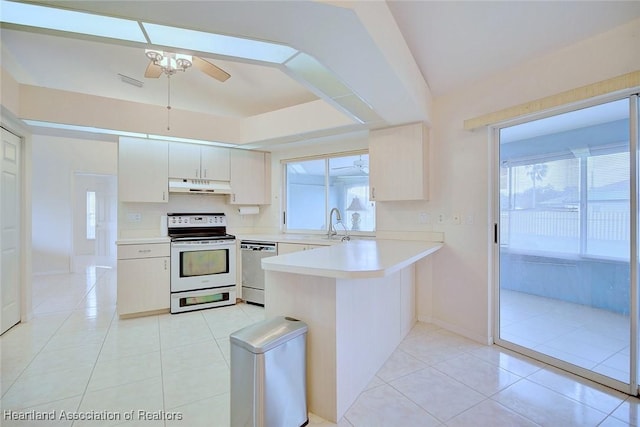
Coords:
143,278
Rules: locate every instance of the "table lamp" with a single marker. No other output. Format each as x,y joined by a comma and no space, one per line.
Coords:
355,206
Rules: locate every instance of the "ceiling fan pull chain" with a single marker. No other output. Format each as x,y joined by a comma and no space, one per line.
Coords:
169,102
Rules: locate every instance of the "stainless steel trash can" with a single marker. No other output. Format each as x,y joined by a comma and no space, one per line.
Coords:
268,374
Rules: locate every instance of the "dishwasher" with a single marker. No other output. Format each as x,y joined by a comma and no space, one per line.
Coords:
252,273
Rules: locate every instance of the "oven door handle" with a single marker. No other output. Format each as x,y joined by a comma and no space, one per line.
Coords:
202,245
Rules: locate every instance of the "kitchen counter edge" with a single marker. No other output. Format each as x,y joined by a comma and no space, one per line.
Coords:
353,260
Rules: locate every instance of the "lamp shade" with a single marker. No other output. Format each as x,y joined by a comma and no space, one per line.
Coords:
356,205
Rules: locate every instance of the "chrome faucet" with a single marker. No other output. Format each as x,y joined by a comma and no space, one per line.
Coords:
332,231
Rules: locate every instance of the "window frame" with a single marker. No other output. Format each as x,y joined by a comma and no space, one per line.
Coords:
326,158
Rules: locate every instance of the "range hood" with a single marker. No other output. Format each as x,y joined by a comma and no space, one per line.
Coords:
199,186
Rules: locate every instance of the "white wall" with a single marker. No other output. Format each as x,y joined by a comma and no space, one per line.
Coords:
55,159
460,162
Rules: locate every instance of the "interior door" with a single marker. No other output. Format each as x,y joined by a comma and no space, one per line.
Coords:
95,218
565,221
106,220
10,231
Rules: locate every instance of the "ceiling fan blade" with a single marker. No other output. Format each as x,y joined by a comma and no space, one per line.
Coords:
210,69
153,71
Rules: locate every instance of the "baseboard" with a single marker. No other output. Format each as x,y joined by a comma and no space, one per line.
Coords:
486,340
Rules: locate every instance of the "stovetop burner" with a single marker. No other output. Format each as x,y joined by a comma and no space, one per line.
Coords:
197,226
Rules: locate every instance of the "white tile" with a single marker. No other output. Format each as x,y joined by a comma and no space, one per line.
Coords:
128,369
191,356
599,397
77,354
398,365
67,339
456,341
53,412
143,395
81,357
490,414
316,421
613,422
508,360
628,411
44,387
481,376
209,412
383,407
428,351
440,395
547,407
196,383
567,357
375,382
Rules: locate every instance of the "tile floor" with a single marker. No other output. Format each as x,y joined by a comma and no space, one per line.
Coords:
77,356
588,337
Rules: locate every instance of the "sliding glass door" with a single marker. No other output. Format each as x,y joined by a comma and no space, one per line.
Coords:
565,225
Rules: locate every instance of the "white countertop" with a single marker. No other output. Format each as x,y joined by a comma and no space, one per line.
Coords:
356,259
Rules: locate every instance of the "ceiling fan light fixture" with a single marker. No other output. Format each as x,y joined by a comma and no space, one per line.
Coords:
183,61
169,62
154,55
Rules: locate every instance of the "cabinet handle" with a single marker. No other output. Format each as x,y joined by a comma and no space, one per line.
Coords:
373,193
234,197
144,251
163,196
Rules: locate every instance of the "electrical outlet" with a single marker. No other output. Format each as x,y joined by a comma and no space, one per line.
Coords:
456,219
134,217
440,218
424,218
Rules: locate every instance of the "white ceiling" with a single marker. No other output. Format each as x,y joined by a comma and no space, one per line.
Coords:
458,42
453,43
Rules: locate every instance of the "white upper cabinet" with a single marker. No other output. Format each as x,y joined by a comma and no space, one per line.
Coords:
143,170
399,160
194,161
215,163
250,177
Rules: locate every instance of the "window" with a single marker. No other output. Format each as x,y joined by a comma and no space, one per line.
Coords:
91,215
567,191
315,186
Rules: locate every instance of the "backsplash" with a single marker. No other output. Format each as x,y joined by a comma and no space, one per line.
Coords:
144,219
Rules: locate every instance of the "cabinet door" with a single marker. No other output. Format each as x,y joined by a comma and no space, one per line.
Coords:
214,163
399,163
287,248
184,160
143,170
250,177
143,285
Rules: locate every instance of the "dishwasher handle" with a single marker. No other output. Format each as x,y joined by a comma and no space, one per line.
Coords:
258,247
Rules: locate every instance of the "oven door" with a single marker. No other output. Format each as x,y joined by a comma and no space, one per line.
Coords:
202,265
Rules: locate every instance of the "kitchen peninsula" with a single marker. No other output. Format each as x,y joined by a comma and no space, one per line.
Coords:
358,299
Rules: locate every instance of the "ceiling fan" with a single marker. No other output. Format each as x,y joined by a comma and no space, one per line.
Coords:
169,63
358,166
